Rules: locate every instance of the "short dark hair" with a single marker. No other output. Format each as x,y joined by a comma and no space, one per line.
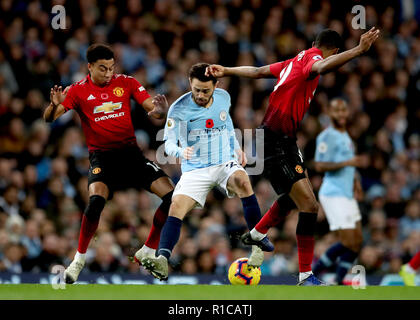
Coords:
198,71
99,51
328,39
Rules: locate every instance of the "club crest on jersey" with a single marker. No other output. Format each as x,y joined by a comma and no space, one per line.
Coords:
223,115
107,107
96,170
323,147
170,123
299,169
118,91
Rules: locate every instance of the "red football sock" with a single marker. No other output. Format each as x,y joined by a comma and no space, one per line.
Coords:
87,230
305,246
271,218
415,261
158,222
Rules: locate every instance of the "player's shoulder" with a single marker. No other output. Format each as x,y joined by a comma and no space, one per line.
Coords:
180,104
221,92
311,53
79,84
120,77
327,134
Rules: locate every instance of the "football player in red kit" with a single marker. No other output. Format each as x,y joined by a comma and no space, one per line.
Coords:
297,80
102,100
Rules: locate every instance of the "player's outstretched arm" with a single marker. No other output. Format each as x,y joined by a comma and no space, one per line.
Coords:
55,109
156,107
337,60
356,161
219,71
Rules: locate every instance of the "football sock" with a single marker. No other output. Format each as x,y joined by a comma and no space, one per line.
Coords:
90,221
276,214
415,261
169,236
80,256
158,221
252,212
305,240
329,257
345,263
257,235
304,275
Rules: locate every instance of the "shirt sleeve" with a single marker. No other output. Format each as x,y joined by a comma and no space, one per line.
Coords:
325,148
308,61
70,101
171,136
138,91
276,68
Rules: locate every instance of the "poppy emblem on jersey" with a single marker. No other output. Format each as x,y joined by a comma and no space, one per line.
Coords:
96,170
107,107
209,123
299,169
104,96
118,91
223,115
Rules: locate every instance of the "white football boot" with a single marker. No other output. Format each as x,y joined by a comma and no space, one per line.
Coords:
73,270
157,266
256,258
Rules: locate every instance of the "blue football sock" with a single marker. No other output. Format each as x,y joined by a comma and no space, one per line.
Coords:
252,212
169,236
345,263
329,257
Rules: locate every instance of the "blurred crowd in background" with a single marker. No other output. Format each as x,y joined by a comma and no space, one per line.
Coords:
43,167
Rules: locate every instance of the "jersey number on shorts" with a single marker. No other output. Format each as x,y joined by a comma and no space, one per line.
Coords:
154,166
231,164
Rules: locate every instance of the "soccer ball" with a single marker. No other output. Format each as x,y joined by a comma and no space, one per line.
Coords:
241,274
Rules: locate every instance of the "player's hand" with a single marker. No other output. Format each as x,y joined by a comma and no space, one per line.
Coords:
242,159
215,70
188,153
57,95
160,106
368,38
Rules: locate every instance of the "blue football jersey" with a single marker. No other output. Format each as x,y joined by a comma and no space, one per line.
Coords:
209,130
335,146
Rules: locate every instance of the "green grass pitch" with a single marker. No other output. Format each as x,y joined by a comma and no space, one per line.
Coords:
203,292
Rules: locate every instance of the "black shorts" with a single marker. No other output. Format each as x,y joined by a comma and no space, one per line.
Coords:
283,161
123,169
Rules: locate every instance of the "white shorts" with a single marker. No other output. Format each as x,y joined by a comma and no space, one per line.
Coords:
341,212
197,183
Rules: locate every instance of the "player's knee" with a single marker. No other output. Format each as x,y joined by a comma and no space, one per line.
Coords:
95,207
176,209
242,185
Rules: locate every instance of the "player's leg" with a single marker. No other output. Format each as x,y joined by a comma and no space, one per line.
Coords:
351,240
238,183
408,271
163,188
180,206
278,211
98,193
302,195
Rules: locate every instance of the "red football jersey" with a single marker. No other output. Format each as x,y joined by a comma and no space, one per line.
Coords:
293,92
105,112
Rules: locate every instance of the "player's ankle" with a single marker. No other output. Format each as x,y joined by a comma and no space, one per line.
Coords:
256,235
